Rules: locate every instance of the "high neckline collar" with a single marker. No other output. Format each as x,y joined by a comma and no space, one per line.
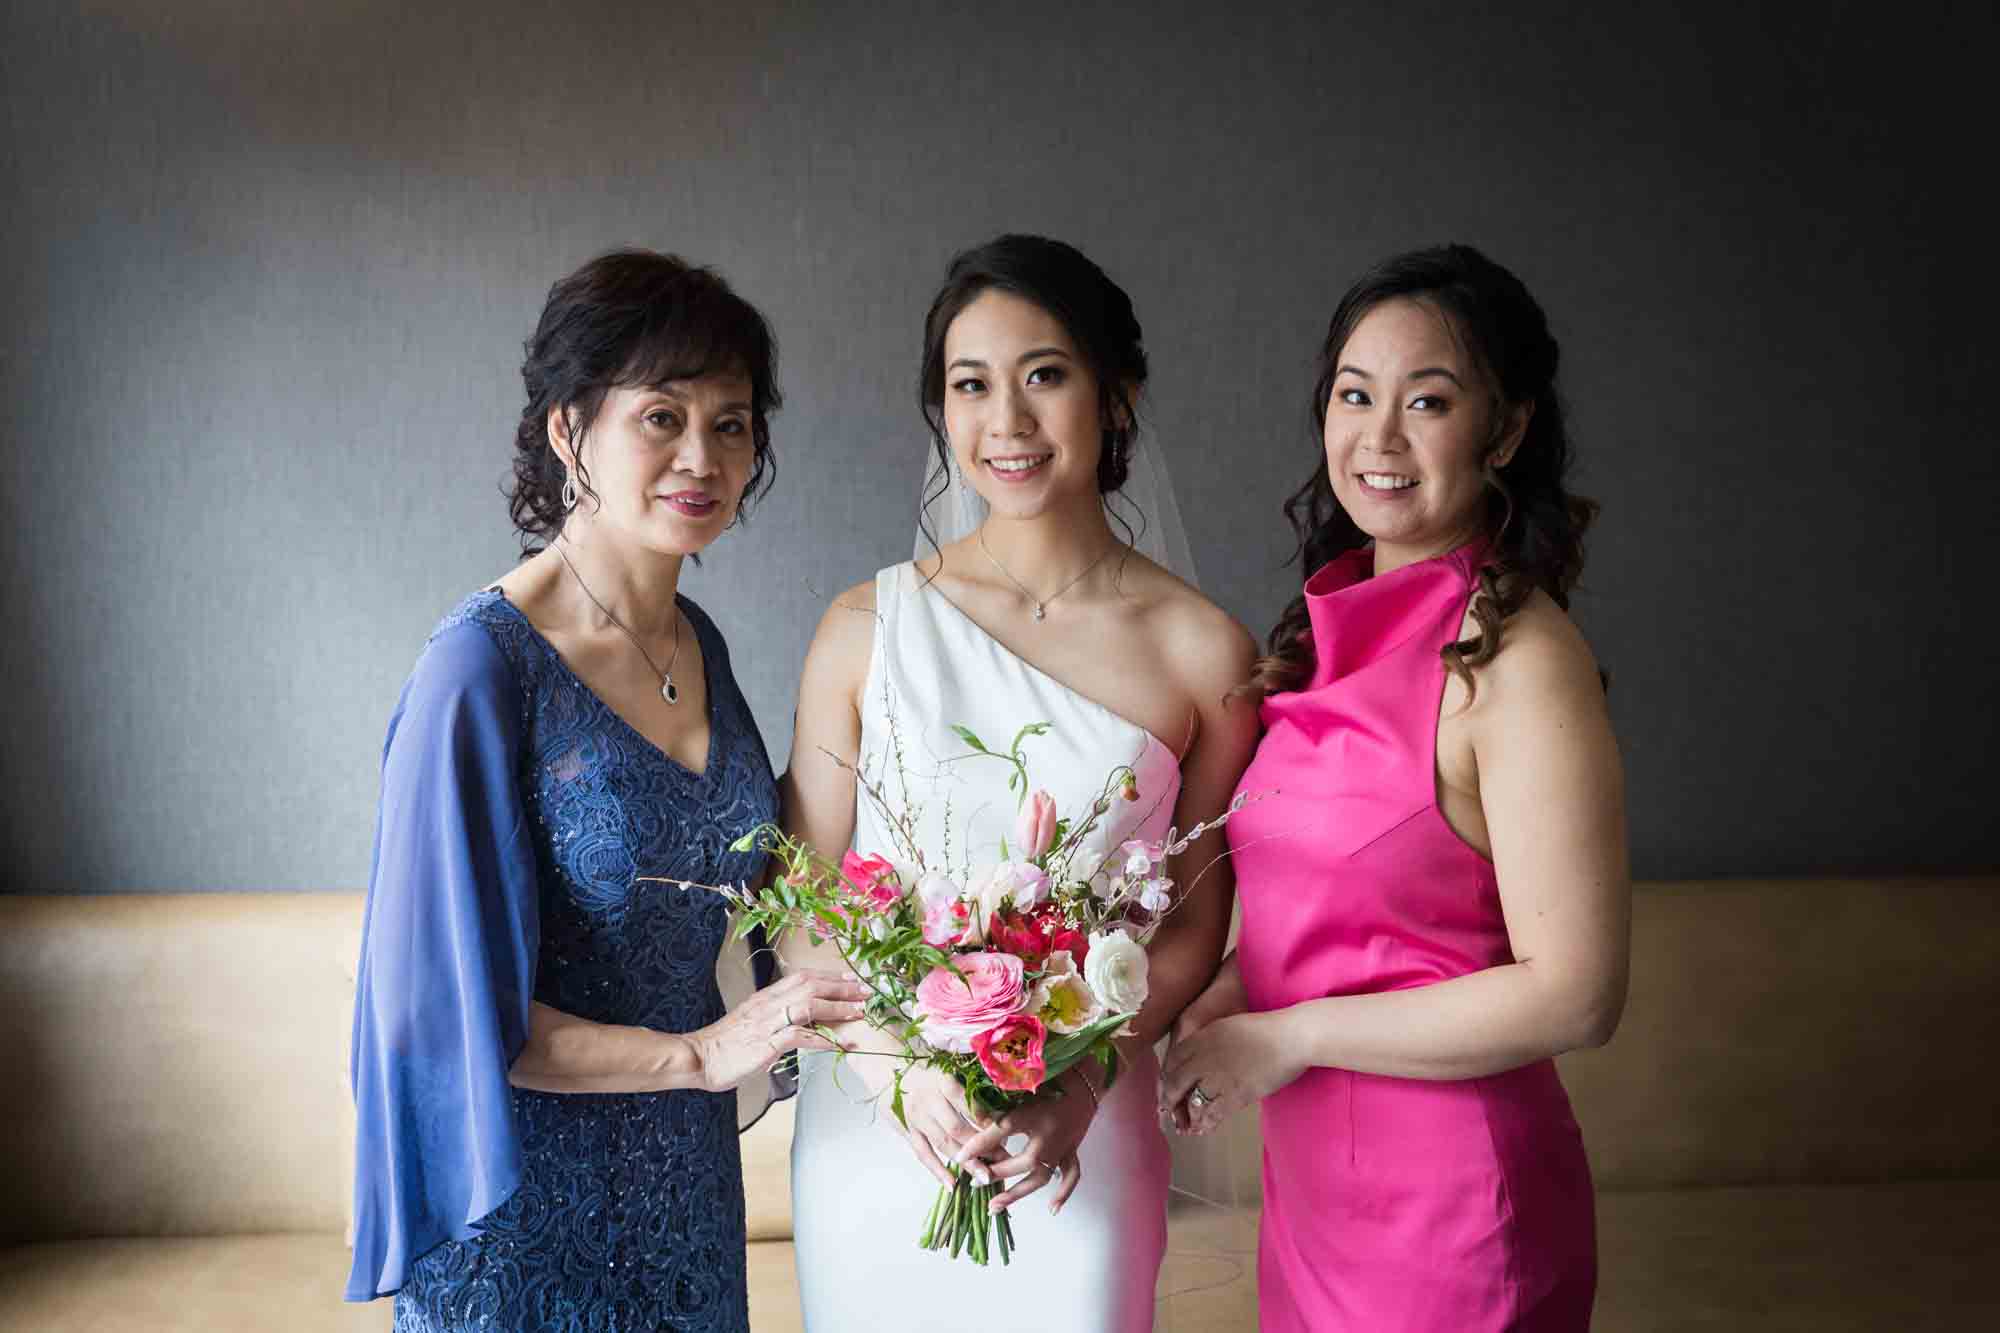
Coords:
1358,616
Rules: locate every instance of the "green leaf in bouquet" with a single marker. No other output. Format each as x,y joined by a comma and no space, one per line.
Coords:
896,1101
1059,1054
965,734
1032,729
746,842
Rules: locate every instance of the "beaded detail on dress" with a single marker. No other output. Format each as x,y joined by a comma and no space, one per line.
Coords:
630,1215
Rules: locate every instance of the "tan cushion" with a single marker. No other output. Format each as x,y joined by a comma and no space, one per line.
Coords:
1782,1031
182,1063
774,1288
1793,1031
1800,1259
209,1284
767,1173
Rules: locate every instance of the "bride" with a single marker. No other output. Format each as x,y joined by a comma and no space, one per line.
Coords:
1025,607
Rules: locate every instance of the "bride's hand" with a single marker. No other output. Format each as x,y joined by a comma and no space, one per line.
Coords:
939,1122
777,1019
1054,1127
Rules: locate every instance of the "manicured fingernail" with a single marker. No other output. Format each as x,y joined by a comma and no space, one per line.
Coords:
982,1177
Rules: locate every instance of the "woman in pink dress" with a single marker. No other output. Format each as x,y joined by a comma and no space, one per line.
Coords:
1435,893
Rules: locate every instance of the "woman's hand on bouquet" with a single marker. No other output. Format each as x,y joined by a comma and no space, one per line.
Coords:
1054,1126
938,1123
1227,1065
777,1020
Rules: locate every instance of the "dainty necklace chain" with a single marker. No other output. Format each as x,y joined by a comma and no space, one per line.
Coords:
668,690
1040,604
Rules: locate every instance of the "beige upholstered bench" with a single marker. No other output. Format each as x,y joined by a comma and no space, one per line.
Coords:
1797,1128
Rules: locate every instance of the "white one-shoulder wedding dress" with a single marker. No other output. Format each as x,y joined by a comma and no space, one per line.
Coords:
859,1198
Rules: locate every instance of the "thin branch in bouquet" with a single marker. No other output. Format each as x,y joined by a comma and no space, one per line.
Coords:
1175,843
1120,779
898,822
1131,777
895,738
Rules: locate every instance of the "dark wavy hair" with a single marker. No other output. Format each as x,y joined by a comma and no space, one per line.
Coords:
631,317
1534,524
1093,310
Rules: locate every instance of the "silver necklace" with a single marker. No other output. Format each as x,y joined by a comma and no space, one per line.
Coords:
1041,604
668,690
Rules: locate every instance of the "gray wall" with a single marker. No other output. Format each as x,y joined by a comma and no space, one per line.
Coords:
269,266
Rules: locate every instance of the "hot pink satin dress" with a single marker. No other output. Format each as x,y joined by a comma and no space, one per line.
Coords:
1391,1203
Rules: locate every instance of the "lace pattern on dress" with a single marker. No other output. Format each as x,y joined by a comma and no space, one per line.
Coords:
630,1215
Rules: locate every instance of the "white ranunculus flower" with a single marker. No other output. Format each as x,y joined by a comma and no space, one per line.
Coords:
1116,971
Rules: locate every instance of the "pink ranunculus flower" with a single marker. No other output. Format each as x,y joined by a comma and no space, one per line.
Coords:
1035,826
1011,1053
951,1010
873,879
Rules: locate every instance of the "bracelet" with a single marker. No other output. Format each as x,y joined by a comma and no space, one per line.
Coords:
1085,1080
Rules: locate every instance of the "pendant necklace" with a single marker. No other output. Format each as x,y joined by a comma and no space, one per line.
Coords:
1040,604
668,690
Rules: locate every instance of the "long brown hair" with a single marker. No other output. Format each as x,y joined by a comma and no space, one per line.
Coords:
1534,524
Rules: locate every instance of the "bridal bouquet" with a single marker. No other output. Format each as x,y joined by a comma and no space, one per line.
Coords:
1001,972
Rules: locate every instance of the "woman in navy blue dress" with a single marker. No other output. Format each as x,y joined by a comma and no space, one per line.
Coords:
543,1064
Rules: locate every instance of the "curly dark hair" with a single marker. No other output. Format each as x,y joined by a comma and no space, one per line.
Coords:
1535,525
631,317
1094,310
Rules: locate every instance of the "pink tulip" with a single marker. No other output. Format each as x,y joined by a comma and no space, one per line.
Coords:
1035,827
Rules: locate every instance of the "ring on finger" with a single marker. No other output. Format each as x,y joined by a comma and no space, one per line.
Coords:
1200,1097
1055,1172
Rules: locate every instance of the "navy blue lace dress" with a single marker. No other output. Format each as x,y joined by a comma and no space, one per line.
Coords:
517,811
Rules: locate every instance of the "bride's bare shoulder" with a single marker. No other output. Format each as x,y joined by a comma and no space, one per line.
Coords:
1202,643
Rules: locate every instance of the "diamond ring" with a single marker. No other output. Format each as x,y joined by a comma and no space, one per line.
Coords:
1199,1097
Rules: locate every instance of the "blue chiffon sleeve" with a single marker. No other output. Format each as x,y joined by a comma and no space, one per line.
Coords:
447,968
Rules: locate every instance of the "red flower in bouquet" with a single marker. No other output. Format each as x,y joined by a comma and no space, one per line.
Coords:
1033,935
1011,1053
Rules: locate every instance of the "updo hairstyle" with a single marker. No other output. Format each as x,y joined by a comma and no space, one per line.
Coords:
625,319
